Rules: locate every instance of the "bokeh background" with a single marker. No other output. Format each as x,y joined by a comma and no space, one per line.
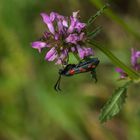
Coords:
30,109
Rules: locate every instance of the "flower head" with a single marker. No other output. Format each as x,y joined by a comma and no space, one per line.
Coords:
122,73
63,35
135,55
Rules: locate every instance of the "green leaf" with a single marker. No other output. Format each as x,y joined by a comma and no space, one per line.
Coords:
114,104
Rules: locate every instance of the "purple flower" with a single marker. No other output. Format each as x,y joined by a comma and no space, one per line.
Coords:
64,35
135,55
122,73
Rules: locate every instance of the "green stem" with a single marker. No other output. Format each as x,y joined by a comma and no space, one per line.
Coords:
132,74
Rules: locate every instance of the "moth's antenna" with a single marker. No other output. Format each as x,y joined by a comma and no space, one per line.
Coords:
57,85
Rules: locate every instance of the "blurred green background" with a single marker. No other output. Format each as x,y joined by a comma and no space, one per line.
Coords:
30,109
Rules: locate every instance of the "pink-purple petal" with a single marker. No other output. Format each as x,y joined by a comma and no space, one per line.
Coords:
65,23
135,55
60,27
72,38
138,54
51,54
72,25
53,57
88,51
52,16
81,52
75,14
62,57
82,36
38,45
49,23
121,72
80,26
73,49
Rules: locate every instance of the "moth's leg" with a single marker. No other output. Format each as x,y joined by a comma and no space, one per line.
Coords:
57,85
93,73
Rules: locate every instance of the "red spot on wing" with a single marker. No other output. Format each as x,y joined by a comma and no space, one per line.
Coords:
71,72
82,70
93,66
89,66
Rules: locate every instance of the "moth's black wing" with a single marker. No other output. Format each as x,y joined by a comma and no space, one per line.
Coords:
84,63
69,66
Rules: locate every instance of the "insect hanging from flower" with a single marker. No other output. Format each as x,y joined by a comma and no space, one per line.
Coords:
86,65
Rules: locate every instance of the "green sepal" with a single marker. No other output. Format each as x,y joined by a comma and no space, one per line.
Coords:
95,32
